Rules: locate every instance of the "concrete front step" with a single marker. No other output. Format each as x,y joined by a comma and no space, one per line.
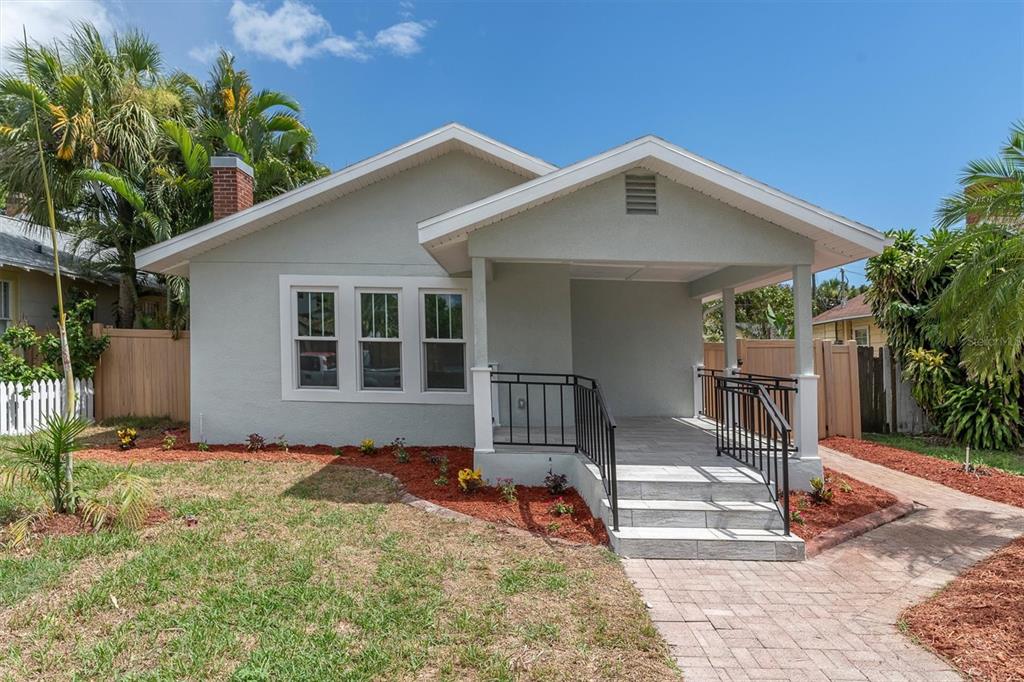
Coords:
711,483
695,514
706,543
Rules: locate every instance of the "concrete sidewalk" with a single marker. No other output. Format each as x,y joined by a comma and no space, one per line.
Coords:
832,617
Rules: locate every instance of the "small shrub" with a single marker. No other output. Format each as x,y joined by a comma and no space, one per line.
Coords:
552,527
398,449
441,481
556,483
169,441
562,508
254,442
281,442
368,446
796,517
802,503
844,486
337,452
441,462
203,446
983,416
821,492
507,488
470,480
127,437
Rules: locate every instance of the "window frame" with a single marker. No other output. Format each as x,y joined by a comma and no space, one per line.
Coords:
867,335
360,339
6,300
296,338
423,293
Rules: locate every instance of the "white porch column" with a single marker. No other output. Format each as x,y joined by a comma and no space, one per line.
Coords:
806,464
729,330
698,390
483,430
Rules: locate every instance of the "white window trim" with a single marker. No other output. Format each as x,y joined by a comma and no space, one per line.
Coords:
360,339
295,337
867,335
423,340
346,316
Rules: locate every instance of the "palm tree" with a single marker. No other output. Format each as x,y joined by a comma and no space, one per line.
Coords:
982,307
262,127
101,110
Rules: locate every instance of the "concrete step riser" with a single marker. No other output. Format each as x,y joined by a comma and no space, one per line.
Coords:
673,490
743,550
768,520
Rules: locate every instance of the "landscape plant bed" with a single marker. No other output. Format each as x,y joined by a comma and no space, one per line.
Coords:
532,510
992,484
56,525
852,501
977,621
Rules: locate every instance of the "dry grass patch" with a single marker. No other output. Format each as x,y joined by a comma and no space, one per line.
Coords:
294,570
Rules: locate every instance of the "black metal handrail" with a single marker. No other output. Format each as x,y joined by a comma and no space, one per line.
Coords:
752,429
781,389
591,432
707,389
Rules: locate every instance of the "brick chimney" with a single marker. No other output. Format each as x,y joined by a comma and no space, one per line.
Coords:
232,185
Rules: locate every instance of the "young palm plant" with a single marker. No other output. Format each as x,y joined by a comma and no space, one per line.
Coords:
41,463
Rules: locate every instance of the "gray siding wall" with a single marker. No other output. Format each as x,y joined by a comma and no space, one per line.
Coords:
35,295
591,224
236,372
640,340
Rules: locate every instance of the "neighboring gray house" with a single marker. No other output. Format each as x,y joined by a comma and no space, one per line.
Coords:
27,291
454,290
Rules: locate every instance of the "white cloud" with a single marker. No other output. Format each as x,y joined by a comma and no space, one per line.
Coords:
403,39
205,53
46,20
296,31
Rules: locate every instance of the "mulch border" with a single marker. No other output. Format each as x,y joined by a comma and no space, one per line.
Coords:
858,527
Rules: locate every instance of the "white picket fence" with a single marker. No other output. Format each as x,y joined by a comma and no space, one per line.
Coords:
24,408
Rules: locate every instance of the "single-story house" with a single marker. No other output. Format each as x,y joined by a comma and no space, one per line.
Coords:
456,290
850,322
27,291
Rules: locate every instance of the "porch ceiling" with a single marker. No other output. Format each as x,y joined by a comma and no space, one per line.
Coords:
651,272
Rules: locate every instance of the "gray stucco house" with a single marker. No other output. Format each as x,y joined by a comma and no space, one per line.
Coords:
454,290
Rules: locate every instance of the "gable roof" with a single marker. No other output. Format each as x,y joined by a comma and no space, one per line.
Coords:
172,256
837,239
854,308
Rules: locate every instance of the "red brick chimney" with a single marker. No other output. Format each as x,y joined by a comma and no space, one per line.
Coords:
232,185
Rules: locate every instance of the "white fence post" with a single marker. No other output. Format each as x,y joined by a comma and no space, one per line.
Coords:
25,409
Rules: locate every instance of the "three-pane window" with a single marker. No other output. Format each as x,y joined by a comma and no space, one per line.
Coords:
380,341
316,339
444,346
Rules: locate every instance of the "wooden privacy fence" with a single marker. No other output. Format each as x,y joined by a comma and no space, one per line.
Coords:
835,364
144,372
24,408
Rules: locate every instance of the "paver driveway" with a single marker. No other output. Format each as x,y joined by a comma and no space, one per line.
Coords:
832,617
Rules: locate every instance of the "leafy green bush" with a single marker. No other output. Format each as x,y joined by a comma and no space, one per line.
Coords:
983,416
21,340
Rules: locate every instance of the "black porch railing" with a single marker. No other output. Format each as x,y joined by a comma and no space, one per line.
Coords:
532,408
752,429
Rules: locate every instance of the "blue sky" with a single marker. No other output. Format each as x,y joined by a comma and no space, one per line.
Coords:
868,109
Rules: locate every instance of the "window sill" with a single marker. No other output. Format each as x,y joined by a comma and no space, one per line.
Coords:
383,397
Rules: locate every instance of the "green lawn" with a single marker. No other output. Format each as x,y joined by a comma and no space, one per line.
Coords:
936,446
302,571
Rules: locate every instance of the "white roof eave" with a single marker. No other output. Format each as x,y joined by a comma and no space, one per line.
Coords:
688,168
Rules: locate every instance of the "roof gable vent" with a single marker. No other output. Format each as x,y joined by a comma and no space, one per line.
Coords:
641,195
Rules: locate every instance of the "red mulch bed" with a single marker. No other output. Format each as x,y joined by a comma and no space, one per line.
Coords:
530,512
977,621
994,484
56,525
862,500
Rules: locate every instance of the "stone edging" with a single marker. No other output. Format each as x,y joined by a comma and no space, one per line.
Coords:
858,526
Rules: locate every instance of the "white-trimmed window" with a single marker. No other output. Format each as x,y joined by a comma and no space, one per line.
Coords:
315,334
862,336
380,340
444,346
5,305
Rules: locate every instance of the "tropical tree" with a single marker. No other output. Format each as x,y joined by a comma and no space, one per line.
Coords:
832,292
764,313
982,307
100,109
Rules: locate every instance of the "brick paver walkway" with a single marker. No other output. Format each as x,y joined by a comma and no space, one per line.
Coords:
832,617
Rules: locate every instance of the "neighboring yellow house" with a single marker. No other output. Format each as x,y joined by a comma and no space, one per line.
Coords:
850,321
